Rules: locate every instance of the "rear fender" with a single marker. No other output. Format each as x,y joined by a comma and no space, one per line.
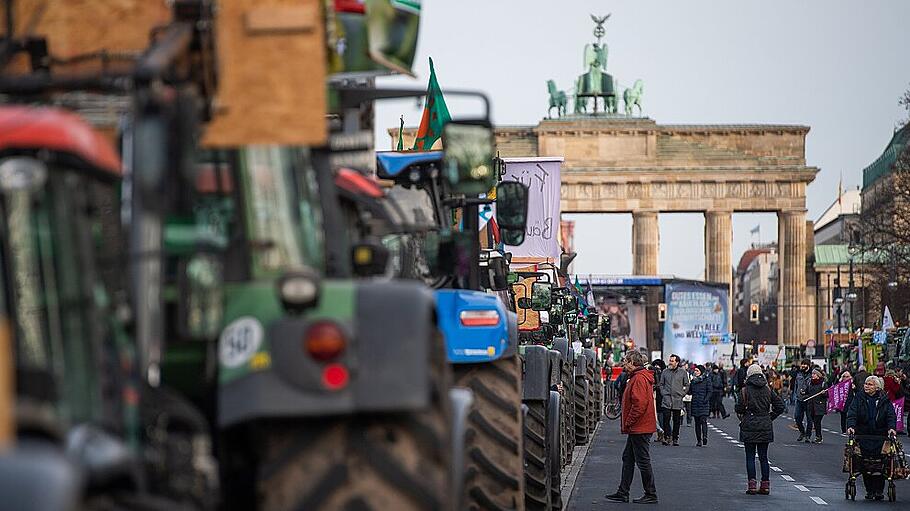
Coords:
389,329
473,344
461,400
536,377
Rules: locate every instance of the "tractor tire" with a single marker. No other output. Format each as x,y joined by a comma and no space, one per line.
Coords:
592,397
494,468
567,397
554,449
370,462
536,456
581,410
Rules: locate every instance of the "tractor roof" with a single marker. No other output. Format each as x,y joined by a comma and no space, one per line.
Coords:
63,133
391,163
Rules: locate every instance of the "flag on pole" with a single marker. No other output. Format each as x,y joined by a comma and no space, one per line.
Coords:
755,230
400,135
435,115
887,321
840,189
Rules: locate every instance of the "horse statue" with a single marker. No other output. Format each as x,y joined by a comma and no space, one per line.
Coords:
581,103
612,102
632,97
558,100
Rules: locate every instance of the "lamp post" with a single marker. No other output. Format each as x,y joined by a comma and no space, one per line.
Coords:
852,249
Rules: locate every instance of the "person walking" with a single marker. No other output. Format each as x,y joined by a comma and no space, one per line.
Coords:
700,389
657,368
846,376
638,424
757,408
800,383
816,404
718,389
674,383
871,415
740,378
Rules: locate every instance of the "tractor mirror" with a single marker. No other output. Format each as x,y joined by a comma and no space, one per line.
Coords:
369,259
541,295
468,160
512,211
496,275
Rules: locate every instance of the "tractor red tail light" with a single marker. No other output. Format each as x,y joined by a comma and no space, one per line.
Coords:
335,376
479,318
324,341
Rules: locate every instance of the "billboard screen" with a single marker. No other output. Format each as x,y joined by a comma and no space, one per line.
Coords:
697,321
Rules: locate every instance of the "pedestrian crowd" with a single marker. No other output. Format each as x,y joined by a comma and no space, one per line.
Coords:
658,397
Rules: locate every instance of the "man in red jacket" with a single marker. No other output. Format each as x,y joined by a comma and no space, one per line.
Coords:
639,421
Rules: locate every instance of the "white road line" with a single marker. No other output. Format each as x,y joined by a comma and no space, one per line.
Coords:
776,469
801,487
787,478
820,501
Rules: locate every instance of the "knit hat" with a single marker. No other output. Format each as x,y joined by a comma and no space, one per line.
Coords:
818,372
753,369
700,368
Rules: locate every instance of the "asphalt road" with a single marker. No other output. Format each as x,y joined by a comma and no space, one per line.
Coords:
714,477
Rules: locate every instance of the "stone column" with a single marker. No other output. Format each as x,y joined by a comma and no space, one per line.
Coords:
791,309
718,243
645,242
718,253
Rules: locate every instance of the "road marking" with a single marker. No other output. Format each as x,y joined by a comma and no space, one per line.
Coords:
820,501
787,478
776,469
800,487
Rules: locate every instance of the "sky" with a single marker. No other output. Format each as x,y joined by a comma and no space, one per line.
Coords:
837,66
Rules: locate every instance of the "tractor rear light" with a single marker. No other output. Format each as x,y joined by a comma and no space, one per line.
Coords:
335,377
479,318
324,341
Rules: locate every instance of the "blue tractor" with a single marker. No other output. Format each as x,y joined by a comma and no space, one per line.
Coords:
481,333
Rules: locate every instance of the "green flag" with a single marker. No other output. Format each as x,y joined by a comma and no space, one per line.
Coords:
435,115
400,134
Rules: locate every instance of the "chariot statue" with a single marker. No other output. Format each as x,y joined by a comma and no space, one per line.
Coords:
596,82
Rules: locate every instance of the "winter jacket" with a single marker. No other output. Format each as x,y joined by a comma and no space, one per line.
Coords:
817,405
717,382
673,386
638,414
893,388
858,418
658,398
700,388
802,380
757,408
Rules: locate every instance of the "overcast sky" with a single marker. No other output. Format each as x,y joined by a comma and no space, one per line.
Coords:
836,66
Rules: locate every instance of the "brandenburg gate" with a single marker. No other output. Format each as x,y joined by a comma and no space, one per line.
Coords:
615,162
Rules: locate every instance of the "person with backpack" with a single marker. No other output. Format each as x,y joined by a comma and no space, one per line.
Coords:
757,408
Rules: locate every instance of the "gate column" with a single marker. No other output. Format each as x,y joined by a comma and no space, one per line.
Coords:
645,242
791,308
718,253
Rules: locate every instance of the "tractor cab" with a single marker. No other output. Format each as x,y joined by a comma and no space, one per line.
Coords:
67,383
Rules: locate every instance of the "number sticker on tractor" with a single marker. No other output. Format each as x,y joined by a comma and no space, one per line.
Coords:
239,342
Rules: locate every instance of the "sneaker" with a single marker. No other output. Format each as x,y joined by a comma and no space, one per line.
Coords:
801,437
645,499
676,442
765,488
698,444
818,439
618,497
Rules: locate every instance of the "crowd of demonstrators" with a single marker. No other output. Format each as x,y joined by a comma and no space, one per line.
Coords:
757,407
871,416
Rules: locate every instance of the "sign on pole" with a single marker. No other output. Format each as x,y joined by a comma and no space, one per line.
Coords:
541,176
887,322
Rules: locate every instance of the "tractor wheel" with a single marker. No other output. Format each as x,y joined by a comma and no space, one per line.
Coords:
592,398
581,410
554,451
568,412
494,468
537,473
373,462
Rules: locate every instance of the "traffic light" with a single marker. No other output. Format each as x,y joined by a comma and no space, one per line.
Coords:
753,313
661,312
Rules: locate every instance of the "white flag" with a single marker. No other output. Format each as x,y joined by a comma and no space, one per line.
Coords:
887,322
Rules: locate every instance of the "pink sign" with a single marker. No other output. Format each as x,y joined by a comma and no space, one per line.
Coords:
899,411
837,396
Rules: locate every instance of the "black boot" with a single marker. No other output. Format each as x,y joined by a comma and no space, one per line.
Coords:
645,499
618,497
